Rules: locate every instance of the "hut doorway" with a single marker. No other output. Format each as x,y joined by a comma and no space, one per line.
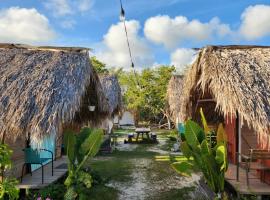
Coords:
47,143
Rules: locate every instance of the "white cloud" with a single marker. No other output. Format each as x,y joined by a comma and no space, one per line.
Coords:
62,8
172,31
59,7
182,57
255,22
68,24
115,50
85,5
24,25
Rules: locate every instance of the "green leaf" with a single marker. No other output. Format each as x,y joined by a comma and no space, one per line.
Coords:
221,157
70,194
205,148
192,131
85,178
184,167
186,150
90,146
69,144
81,138
204,122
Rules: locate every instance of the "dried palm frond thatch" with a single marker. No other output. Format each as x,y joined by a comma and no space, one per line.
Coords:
112,91
41,89
237,78
174,95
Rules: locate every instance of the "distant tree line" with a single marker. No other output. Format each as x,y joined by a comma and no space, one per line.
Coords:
144,92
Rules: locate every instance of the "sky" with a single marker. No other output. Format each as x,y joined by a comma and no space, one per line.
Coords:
160,31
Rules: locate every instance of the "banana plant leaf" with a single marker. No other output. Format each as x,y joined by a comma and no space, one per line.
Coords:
204,122
183,167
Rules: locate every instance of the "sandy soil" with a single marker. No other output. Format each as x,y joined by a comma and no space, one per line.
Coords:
147,179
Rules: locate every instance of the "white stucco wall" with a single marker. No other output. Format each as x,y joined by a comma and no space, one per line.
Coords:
127,119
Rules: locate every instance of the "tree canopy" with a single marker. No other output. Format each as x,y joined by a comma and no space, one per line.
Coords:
99,66
145,92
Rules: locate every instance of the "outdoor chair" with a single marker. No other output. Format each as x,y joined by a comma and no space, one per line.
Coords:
253,161
33,156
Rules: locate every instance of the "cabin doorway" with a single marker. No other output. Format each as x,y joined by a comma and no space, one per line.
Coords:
49,144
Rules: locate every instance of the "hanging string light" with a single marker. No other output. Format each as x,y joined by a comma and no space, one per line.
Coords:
123,19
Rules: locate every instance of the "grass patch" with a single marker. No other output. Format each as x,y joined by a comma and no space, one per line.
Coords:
183,193
101,192
123,131
113,169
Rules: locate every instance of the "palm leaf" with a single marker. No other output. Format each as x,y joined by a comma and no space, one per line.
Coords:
69,145
204,122
192,133
90,146
184,167
186,150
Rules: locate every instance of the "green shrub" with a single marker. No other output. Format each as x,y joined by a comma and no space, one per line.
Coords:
80,148
211,161
8,189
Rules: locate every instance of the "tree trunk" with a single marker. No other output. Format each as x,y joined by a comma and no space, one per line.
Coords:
169,123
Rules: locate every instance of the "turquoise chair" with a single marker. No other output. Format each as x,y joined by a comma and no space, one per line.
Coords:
32,156
181,128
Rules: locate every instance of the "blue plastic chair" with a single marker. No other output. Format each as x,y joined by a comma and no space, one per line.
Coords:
32,156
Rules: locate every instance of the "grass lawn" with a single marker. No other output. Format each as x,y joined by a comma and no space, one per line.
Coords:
138,172
133,171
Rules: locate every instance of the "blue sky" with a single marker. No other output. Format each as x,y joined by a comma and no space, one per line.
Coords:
161,31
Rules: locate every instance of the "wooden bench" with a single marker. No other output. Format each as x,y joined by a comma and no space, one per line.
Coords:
253,161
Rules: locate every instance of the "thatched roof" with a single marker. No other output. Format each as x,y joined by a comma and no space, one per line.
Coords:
174,95
44,88
237,78
112,91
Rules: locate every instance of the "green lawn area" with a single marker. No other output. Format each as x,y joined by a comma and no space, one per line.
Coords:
137,170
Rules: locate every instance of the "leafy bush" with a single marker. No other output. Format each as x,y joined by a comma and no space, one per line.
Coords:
173,135
80,148
212,162
53,191
8,189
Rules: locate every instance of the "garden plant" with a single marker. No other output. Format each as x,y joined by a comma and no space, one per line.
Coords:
8,189
80,148
211,161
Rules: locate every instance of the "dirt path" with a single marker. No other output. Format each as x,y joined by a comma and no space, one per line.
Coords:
149,175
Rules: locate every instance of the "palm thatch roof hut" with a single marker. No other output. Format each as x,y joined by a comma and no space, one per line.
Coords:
232,85
112,92
174,96
44,89
236,78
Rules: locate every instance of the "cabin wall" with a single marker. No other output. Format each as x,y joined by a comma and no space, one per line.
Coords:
17,156
264,143
248,139
127,119
230,129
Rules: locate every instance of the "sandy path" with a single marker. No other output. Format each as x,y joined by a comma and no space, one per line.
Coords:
146,181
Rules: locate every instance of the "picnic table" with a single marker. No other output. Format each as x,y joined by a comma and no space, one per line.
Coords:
142,131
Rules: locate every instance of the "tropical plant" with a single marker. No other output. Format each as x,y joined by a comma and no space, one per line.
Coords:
212,162
8,189
80,148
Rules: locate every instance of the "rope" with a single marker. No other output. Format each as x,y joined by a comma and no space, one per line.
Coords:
122,18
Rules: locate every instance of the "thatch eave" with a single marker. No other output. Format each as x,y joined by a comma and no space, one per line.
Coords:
42,89
238,79
112,90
